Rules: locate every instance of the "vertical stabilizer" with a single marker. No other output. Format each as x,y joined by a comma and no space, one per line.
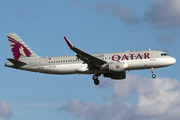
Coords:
19,49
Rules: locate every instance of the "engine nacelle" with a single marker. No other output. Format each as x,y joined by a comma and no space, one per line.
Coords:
117,66
116,75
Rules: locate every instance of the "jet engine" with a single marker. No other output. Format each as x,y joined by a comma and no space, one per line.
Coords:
116,70
117,66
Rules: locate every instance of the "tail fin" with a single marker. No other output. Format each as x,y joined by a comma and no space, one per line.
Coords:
19,49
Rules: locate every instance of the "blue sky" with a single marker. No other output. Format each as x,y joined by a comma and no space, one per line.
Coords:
95,27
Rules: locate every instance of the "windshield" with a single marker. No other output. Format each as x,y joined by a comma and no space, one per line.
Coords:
164,54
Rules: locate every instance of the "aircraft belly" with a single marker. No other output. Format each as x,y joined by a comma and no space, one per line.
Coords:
27,68
63,69
58,69
135,64
144,64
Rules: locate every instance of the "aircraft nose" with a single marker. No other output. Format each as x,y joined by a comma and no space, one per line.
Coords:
172,60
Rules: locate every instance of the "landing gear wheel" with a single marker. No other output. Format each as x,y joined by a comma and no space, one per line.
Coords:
153,76
96,82
95,77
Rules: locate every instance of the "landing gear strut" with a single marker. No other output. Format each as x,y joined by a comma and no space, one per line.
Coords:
152,70
95,78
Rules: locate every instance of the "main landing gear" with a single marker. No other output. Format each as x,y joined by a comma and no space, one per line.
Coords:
95,78
153,75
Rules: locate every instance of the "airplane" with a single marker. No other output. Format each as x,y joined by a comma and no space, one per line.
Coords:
111,65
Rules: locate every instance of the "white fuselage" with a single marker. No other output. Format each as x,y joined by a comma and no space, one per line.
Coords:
71,65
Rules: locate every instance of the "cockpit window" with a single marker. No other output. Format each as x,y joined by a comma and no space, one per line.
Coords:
164,54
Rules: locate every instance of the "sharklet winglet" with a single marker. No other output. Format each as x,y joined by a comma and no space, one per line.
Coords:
68,42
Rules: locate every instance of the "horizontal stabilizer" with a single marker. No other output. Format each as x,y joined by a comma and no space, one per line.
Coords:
16,62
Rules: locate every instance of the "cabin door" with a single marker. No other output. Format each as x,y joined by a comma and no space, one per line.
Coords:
40,63
152,57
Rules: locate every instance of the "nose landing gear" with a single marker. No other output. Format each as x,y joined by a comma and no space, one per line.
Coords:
95,78
153,75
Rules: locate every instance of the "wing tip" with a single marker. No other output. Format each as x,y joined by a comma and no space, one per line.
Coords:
68,42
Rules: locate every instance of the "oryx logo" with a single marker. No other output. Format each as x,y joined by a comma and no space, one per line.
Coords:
18,49
117,67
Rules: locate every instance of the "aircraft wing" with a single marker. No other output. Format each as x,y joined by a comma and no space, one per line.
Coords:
87,58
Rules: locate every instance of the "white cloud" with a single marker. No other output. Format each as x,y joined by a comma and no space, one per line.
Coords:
5,110
163,14
111,8
156,99
122,12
